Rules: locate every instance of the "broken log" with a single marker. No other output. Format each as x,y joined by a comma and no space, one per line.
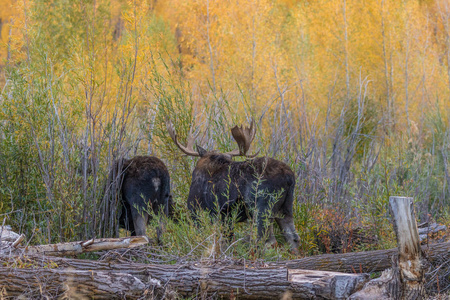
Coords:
243,281
406,278
75,248
7,235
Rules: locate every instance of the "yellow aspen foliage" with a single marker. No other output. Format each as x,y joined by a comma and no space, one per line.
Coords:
10,24
7,12
262,55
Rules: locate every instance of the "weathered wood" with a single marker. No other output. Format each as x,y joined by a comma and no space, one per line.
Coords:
75,248
361,262
406,278
44,276
223,280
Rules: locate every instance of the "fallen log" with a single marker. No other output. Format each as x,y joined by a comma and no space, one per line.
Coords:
361,262
170,275
74,248
196,279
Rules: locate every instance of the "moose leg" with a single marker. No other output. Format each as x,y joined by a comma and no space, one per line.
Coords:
271,240
161,228
125,219
264,224
159,232
290,234
228,224
140,220
265,229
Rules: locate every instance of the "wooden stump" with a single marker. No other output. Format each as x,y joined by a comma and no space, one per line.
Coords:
411,260
406,278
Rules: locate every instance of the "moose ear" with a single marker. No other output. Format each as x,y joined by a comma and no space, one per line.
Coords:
201,151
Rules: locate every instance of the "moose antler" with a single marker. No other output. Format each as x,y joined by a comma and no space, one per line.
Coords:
243,137
189,150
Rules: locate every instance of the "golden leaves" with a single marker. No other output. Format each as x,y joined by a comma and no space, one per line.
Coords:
252,49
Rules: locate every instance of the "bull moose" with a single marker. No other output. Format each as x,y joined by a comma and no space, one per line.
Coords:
260,186
145,187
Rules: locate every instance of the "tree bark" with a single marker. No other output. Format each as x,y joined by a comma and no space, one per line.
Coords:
192,279
28,275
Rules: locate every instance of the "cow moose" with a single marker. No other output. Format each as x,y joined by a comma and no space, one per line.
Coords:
262,186
144,183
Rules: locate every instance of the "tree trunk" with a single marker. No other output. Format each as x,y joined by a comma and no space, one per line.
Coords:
59,276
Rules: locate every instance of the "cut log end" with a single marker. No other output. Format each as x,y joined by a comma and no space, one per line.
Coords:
333,285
